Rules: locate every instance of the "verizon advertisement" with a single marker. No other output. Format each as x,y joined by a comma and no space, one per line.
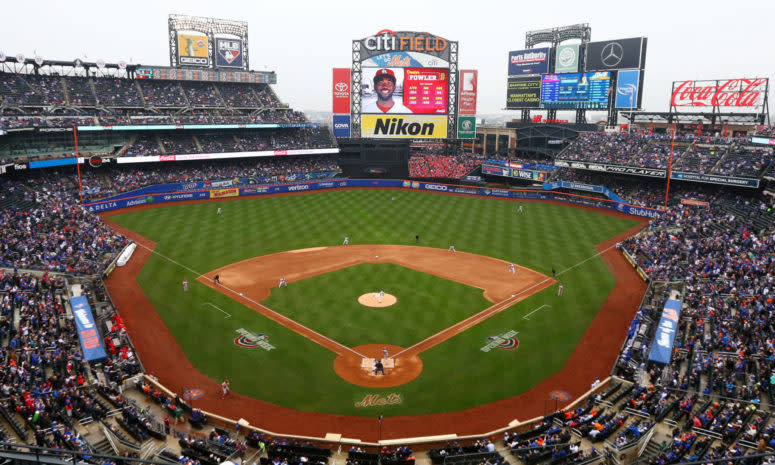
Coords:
740,93
467,100
341,90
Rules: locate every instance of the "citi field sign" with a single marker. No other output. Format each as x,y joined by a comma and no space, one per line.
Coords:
387,41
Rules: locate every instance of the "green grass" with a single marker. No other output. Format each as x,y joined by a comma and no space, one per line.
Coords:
299,373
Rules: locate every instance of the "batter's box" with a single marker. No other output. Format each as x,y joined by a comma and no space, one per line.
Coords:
368,363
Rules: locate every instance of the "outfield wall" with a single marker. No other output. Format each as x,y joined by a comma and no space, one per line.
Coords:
179,192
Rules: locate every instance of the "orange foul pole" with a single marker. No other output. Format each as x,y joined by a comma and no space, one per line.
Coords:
78,165
670,165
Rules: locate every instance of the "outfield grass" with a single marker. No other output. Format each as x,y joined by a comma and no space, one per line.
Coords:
299,373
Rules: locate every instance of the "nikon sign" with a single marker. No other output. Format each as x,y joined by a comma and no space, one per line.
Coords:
466,127
404,126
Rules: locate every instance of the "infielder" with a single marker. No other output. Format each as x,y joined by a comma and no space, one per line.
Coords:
219,211
283,282
512,268
451,248
185,285
346,240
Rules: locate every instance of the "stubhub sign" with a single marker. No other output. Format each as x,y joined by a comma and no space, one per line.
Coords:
342,126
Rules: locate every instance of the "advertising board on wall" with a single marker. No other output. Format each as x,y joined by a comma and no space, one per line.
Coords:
228,53
530,61
466,127
342,126
567,59
192,49
523,92
404,46
340,90
467,99
616,54
404,126
743,93
627,95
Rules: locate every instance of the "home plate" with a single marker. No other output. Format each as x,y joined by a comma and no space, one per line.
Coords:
368,363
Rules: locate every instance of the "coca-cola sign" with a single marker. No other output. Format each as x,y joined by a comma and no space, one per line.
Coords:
722,93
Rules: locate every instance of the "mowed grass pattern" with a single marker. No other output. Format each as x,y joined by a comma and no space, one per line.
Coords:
299,373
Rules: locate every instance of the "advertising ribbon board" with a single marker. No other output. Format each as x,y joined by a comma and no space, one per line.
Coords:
91,342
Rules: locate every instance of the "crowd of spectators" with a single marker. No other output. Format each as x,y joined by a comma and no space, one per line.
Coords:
435,163
31,100
703,154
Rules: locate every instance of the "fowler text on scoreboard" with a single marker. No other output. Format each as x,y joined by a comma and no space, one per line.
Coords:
425,90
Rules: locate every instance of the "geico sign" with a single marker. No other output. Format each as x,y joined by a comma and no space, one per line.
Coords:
435,187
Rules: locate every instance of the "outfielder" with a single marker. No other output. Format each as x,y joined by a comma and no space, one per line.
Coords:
219,211
185,285
559,290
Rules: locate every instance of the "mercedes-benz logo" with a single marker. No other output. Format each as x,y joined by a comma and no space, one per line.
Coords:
612,54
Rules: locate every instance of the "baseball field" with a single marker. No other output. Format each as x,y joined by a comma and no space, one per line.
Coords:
463,330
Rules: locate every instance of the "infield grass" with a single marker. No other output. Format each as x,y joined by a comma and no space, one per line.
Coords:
299,373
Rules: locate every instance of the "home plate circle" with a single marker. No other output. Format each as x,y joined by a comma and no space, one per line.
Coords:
372,299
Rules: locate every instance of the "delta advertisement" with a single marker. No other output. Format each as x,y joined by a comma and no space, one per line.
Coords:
662,345
192,49
91,342
531,61
341,91
404,127
132,200
228,53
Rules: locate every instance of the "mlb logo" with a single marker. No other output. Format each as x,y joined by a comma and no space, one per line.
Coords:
229,50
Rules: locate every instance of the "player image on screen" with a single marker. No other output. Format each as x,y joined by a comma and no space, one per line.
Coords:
385,99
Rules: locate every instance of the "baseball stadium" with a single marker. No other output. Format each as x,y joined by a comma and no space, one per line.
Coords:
194,272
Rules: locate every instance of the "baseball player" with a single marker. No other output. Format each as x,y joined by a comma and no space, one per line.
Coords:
346,240
283,282
385,354
224,388
559,290
519,210
185,285
217,280
381,293
451,248
512,268
219,211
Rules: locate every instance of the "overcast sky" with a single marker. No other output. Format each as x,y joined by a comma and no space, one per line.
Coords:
303,40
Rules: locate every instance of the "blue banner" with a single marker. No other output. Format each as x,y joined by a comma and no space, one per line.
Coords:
91,342
342,126
583,187
527,62
164,127
131,199
662,346
50,163
627,89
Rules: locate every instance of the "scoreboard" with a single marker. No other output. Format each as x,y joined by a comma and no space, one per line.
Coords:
576,90
204,75
425,90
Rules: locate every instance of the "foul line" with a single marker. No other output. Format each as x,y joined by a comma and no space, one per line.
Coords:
275,316
537,309
215,306
492,310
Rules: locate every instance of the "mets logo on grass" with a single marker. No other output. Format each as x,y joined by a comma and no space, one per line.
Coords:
505,341
376,400
251,341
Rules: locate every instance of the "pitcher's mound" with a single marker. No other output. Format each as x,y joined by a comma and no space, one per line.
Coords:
371,299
